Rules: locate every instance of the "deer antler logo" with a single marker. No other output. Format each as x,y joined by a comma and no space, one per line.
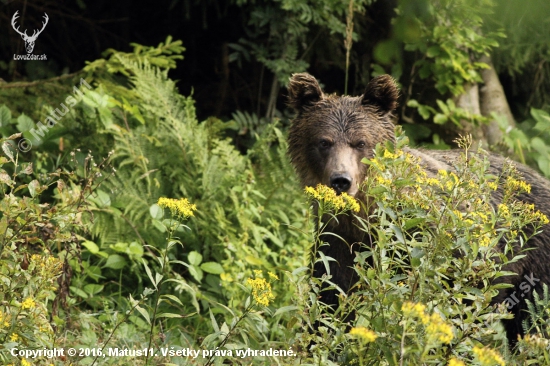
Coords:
29,41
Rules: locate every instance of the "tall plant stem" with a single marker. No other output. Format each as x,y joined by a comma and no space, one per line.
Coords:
349,41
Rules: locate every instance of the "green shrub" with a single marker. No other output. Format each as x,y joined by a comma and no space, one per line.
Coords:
426,284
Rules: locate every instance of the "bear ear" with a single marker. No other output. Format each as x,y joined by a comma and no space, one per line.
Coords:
382,93
303,90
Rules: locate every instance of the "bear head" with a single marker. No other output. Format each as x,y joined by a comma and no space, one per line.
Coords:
330,135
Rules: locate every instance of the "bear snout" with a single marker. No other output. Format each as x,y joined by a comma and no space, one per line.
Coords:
340,182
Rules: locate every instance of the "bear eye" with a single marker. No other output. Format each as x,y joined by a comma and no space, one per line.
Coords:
324,144
360,145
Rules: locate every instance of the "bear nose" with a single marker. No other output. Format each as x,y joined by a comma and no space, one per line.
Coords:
340,182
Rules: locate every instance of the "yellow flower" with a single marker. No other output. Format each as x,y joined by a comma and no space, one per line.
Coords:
273,275
24,362
503,210
436,328
28,303
413,310
378,164
328,196
261,290
390,155
226,277
364,333
488,356
454,362
14,337
181,207
518,186
492,185
383,181
534,215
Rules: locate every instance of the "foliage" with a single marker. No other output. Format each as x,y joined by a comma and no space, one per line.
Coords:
286,27
38,240
447,49
528,141
425,287
525,54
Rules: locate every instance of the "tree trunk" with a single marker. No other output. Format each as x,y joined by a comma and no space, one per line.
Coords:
469,101
493,99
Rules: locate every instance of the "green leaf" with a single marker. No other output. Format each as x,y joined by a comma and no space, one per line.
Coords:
413,223
101,199
173,298
285,309
398,233
24,123
542,118
253,260
91,246
433,51
79,292
33,186
93,289
195,258
156,212
444,108
214,322
159,225
212,267
424,111
115,261
5,116
148,271
413,103
440,118
169,315
539,145
7,150
196,272
135,249
144,313
544,164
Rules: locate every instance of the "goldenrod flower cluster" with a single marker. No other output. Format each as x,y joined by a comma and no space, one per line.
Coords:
181,207
261,289
436,328
389,155
525,210
330,199
383,180
488,356
533,215
366,334
454,362
517,186
4,320
28,303
493,185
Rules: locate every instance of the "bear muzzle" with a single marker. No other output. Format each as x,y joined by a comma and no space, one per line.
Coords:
341,182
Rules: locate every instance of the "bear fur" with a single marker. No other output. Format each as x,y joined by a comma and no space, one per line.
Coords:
329,137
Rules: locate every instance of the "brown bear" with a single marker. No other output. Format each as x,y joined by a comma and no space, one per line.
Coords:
329,137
